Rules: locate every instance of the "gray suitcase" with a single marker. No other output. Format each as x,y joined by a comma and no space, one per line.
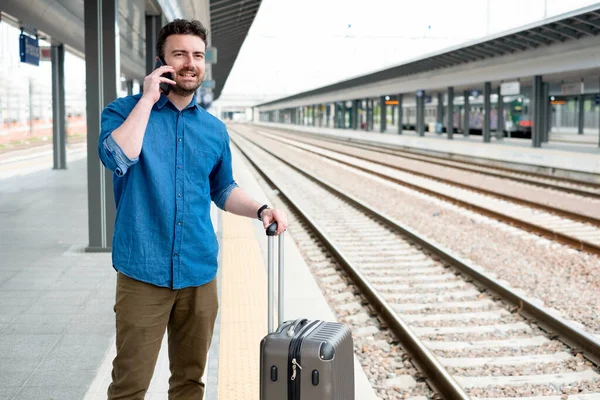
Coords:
302,359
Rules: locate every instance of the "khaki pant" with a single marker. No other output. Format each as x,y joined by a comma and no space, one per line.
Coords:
143,312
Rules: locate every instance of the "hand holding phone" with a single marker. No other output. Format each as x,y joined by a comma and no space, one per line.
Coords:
164,86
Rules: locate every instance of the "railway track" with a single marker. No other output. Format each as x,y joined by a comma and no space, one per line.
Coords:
580,231
469,334
561,184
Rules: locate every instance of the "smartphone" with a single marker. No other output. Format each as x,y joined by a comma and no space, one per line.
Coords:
166,87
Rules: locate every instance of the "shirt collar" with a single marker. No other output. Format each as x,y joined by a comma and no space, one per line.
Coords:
163,100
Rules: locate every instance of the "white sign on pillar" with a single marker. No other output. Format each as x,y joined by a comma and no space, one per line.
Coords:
571,88
510,88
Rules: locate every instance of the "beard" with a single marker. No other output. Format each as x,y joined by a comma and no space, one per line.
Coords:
187,88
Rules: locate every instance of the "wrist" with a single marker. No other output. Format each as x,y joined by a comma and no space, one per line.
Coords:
146,100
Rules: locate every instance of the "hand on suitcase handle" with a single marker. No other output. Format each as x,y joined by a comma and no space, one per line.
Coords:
272,229
270,215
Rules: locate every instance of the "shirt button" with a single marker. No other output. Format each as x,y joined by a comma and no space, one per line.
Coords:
179,223
175,255
180,140
179,194
179,166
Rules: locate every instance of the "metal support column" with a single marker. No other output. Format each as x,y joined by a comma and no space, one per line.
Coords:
382,114
372,108
440,109
153,25
500,115
421,114
487,109
129,87
549,115
581,103
59,132
327,114
321,116
545,112
450,121
368,116
102,74
372,126
400,116
355,105
314,115
536,109
318,115
467,114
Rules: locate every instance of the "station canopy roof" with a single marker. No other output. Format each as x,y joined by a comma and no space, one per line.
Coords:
571,26
230,22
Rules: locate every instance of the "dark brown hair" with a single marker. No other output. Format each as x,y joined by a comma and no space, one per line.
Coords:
179,27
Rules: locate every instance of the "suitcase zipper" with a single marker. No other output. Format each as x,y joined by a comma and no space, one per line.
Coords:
294,360
294,365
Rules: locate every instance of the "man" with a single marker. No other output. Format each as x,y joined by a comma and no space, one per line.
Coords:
170,159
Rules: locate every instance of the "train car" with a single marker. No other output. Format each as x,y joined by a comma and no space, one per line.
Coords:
517,119
564,115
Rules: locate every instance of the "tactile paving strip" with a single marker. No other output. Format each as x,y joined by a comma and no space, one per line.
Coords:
243,310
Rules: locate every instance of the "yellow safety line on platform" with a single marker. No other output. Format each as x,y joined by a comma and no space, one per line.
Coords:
243,310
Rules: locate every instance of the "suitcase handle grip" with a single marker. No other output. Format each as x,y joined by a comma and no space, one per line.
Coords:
271,231
292,329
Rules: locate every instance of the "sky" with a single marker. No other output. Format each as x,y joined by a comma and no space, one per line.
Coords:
297,45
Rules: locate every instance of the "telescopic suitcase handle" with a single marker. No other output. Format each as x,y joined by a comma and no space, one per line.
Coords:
271,231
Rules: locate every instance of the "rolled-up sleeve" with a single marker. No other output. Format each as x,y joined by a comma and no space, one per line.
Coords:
110,153
221,179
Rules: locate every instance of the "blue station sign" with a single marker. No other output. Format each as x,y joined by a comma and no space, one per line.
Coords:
30,49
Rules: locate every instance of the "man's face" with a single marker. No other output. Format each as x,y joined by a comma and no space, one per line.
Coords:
185,53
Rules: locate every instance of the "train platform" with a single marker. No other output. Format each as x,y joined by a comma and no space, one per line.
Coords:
56,300
569,159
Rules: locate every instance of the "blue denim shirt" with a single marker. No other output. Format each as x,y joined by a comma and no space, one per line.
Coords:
163,231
